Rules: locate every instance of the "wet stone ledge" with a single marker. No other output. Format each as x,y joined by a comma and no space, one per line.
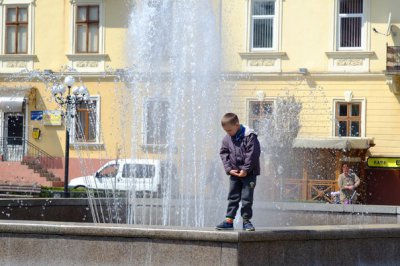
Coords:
53,243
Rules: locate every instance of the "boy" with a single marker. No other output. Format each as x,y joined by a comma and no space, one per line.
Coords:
240,154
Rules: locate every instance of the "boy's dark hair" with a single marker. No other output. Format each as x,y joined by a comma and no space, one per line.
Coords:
229,119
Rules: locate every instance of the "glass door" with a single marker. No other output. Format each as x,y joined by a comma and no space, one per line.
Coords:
14,133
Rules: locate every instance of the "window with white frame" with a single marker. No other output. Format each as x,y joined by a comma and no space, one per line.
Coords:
87,122
87,29
155,122
350,24
263,22
259,113
348,119
16,41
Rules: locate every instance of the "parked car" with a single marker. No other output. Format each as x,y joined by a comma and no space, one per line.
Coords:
148,177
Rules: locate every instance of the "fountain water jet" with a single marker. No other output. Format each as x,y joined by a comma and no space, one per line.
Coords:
174,85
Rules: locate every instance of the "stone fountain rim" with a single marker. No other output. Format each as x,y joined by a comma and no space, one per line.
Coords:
294,233
273,206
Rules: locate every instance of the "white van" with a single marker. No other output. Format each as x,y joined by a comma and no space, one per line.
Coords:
145,176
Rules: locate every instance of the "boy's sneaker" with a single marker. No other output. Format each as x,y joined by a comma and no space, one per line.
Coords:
224,226
248,226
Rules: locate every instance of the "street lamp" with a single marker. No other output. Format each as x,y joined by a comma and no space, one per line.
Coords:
69,102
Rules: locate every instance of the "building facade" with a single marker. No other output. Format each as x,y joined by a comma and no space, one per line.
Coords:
338,58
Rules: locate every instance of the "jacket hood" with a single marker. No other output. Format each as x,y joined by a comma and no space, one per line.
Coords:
248,131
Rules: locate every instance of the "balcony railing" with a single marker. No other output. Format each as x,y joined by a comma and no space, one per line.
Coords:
310,190
21,150
393,59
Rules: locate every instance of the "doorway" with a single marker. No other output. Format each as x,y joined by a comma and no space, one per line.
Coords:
13,142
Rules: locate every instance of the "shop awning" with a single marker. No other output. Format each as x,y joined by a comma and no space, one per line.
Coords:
12,99
333,143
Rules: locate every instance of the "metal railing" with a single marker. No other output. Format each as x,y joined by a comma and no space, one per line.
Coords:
312,189
393,59
15,149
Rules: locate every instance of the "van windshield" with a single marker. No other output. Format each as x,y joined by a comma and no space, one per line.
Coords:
138,171
109,171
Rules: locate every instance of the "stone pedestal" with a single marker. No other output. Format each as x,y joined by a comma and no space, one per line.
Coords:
42,243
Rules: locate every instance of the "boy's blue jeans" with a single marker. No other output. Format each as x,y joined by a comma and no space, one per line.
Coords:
241,189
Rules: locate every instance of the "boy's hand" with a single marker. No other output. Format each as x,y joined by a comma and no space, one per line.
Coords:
242,173
234,172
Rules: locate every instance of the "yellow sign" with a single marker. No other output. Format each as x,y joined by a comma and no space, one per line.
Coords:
36,133
383,162
52,118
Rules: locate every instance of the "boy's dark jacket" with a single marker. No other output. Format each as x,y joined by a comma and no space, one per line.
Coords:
241,152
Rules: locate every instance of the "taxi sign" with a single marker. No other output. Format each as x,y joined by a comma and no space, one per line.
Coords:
383,162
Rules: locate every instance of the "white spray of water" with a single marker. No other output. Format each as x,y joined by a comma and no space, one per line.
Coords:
174,78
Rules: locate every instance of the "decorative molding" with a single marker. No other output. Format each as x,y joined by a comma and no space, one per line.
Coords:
393,81
261,62
350,53
349,62
259,55
25,57
15,64
87,56
87,64
75,2
14,2
87,145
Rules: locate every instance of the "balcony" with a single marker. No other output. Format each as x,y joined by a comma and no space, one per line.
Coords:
393,60
393,68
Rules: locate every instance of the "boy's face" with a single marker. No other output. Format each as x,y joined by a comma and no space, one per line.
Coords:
231,130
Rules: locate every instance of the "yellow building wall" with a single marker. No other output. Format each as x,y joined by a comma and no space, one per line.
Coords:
317,117
306,35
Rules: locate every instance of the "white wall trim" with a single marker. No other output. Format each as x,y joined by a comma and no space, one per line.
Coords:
276,45
250,99
262,59
363,102
96,98
365,36
81,61
17,62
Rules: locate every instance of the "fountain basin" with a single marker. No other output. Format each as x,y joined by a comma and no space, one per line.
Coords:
265,213
54,243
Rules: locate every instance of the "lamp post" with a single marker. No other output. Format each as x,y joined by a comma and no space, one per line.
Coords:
69,102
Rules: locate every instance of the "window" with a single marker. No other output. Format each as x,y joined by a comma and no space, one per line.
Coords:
16,30
109,171
156,122
87,29
86,122
138,171
351,16
263,24
348,119
259,113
